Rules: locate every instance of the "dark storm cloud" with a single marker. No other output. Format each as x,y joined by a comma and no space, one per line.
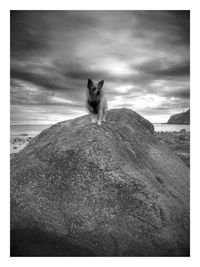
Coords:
181,93
33,32
29,34
61,75
76,71
181,20
174,26
46,80
165,69
143,56
177,70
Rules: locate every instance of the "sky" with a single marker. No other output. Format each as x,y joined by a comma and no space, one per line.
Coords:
143,57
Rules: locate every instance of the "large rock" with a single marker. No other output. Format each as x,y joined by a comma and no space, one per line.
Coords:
178,142
81,189
180,118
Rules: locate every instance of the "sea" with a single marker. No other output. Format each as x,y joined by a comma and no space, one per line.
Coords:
34,129
30,129
164,127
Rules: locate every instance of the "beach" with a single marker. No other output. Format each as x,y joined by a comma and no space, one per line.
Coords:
21,135
17,143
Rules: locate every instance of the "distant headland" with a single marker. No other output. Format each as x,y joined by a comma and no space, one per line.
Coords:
180,118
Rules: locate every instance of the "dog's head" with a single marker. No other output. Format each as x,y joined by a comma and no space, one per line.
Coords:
95,89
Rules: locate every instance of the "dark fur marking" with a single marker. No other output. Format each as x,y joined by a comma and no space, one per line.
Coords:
94,104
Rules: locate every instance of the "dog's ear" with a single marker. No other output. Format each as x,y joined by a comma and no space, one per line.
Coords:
100,84
90,83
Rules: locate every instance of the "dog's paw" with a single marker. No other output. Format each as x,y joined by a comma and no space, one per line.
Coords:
104,120
99,123
93,121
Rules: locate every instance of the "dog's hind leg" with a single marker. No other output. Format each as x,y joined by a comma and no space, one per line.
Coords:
104,116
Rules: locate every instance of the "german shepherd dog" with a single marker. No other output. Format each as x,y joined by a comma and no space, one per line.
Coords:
96,102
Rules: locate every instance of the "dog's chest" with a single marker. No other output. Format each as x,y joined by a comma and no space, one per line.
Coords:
94,104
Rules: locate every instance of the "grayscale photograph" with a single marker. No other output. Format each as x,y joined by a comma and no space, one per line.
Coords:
99,133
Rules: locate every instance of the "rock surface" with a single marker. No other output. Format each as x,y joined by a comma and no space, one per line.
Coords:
180,118
78,189
178,142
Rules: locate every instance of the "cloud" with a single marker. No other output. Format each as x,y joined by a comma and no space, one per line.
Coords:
28,34
168,27
49,81
143,56
180,93
165,69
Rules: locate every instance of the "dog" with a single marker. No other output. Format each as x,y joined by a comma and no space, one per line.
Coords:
96,102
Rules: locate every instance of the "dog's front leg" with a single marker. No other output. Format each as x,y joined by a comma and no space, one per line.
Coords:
99,117
104,116
93,118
